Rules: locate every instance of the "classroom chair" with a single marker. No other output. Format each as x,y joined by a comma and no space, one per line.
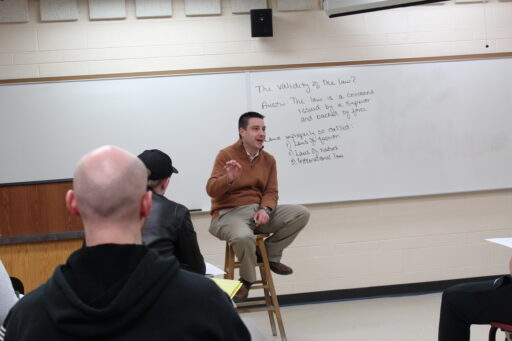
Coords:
506,328
270,304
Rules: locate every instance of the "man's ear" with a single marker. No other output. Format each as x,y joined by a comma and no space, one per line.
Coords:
165,183
71,203
145,204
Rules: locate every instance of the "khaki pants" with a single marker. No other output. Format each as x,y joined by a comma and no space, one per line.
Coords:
235,225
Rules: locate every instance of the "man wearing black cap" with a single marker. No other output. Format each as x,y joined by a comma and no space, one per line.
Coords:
169,229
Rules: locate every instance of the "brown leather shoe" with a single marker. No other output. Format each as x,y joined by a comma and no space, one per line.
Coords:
243,292
280,268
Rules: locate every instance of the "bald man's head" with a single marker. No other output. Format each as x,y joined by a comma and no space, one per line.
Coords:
109,184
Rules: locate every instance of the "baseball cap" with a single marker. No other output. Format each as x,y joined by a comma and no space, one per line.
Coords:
158,163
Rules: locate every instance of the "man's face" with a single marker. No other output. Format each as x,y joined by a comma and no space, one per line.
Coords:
254,136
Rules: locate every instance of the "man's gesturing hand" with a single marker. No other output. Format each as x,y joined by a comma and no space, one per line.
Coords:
233,170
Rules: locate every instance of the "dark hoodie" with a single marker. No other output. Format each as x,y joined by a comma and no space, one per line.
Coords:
124,292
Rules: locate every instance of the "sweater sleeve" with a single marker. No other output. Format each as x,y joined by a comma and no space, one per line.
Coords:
217,184
271,193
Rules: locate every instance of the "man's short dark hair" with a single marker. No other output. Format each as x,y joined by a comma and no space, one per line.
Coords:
243,121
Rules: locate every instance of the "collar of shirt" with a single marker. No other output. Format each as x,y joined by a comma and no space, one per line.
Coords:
252,157
243,150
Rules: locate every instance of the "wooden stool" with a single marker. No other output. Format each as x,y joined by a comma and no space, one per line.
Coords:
266,283
506,328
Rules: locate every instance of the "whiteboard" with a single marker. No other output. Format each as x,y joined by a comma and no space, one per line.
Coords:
393,130
46,127
338,133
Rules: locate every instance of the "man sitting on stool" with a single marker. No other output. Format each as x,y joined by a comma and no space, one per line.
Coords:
243,188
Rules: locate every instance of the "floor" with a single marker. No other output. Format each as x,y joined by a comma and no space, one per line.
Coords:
385,319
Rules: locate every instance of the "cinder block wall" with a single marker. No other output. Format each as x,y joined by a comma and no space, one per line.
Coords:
346,245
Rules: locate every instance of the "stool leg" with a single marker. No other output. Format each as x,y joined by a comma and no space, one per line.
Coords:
264,279
272,290
229,262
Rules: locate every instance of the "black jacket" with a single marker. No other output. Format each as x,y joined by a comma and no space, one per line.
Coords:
169,230
124,292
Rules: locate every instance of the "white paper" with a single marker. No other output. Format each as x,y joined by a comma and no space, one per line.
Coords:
213,270
502,241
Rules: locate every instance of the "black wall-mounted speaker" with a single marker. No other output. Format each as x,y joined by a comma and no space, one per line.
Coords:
261,22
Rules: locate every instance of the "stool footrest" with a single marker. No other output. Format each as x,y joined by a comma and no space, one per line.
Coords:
262,286
250,304
237,264
253,310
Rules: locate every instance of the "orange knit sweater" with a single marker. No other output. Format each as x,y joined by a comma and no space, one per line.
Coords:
257,184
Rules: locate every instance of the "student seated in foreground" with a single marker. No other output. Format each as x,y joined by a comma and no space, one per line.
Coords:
475,303
116,288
